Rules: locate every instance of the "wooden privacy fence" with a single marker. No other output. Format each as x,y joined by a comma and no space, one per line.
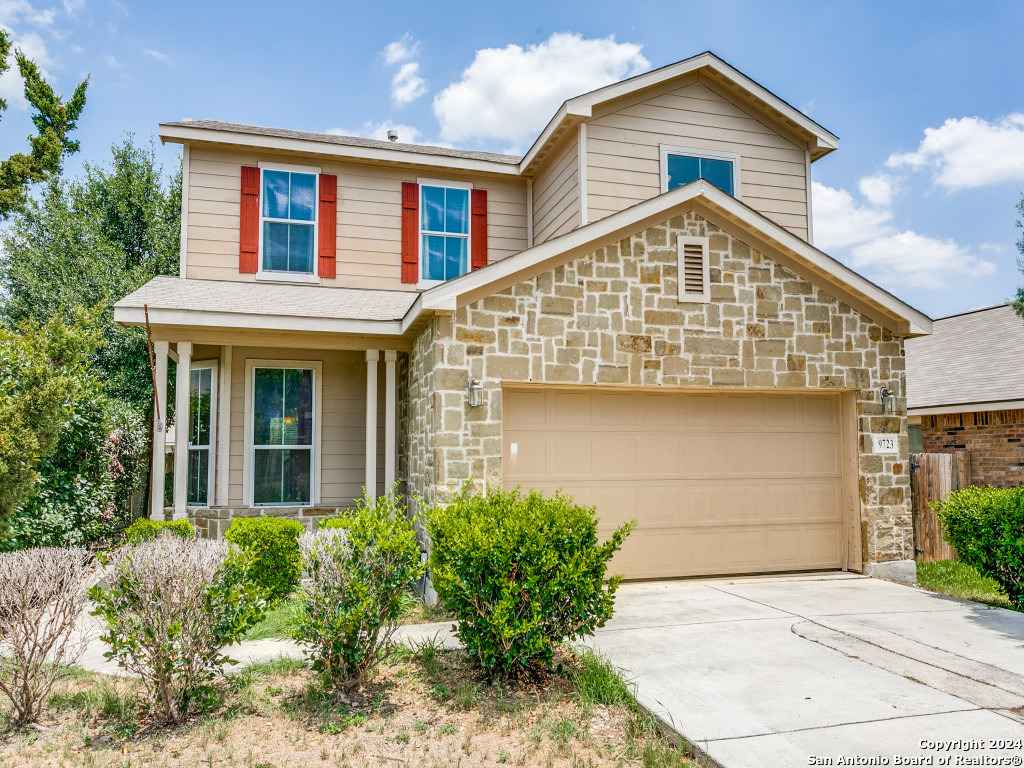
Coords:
933,476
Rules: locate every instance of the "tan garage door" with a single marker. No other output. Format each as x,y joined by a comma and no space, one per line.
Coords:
718,483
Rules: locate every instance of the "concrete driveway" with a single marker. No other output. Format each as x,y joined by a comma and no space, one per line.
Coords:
783,671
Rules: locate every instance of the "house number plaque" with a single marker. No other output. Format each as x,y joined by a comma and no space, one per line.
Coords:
885,444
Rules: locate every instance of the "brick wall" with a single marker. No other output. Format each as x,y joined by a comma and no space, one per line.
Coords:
994,438
612,318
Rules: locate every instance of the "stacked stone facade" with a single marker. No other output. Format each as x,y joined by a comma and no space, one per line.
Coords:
612,318
994,438
212,522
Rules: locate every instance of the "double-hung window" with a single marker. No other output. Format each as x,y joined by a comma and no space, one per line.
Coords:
282,436
681,165
200,433
288,221
444,231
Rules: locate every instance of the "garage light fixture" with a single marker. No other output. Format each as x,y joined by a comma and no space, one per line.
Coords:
889,401
476,393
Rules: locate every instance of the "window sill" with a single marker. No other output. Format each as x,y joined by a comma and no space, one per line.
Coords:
424,285
286,277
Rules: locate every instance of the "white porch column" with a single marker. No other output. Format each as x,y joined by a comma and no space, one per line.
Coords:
156,475
390,420
224,427
182,385
372,356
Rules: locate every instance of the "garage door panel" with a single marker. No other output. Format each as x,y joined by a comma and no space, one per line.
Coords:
524,408
526,455
658,455
615,454
718,482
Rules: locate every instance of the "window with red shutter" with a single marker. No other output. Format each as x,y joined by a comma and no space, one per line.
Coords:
328,218
249,227
410,232
479,228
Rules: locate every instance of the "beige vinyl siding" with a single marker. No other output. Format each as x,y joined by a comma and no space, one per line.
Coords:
556,194
624,159
343,421
369,217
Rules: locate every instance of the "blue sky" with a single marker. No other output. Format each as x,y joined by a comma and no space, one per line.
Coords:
930,216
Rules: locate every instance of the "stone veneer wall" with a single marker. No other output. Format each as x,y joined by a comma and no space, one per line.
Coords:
994,438
211,523
612,318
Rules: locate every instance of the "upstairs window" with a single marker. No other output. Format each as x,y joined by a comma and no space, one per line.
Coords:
288,221
444,231
681,165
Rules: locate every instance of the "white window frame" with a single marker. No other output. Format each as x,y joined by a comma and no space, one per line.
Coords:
704,154
291,277
704,297
421,183
248,476
214,367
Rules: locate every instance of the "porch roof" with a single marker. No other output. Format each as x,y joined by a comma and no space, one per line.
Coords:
275,306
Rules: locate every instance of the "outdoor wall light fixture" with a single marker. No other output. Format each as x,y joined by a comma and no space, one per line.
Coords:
889,402
476,393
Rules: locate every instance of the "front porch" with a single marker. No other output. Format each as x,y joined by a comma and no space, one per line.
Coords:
286,431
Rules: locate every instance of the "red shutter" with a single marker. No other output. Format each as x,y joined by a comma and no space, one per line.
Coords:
410,232
249,228
328,224
478,228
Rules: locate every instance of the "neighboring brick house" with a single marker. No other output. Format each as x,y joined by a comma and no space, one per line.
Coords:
632,311
965,391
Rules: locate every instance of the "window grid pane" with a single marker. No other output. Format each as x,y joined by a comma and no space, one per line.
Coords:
682,169
287,198
282,435
445,232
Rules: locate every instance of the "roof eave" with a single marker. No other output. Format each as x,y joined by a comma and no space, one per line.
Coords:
179,134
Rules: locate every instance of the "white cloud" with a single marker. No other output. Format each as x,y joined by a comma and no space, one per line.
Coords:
401,50
155,54
112,61
839,221
407,85
917,261
407,134
72,7
13,11
12,87
878,189
970,152
507,95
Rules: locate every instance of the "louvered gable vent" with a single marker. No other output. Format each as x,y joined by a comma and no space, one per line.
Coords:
694,274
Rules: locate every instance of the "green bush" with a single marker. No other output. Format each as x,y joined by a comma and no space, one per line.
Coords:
359,568
170,606
145,529
521,573
272,546
986,525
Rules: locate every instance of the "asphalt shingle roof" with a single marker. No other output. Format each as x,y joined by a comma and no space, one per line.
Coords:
975,357
348,141
299,300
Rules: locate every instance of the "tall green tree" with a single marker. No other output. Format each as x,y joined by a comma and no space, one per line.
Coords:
42,370
1018,302
89,242
54,119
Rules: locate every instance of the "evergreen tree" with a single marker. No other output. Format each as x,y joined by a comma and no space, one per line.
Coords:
54,119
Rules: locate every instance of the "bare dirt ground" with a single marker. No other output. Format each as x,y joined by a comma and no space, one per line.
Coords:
425,708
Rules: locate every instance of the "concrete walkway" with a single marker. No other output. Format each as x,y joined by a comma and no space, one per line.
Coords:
252,651
776,671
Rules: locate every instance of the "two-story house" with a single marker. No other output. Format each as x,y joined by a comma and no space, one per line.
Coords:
633,311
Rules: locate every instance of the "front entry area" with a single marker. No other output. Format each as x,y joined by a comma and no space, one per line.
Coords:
719,483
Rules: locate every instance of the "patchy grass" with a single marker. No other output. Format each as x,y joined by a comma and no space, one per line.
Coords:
426,707
951,577
283,617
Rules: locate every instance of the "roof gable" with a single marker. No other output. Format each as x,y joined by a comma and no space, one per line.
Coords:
710,69
720,209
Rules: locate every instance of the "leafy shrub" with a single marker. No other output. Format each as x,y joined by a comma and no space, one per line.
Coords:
359,568
521,573
42,595
986,525
272,546
171,607
145,529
